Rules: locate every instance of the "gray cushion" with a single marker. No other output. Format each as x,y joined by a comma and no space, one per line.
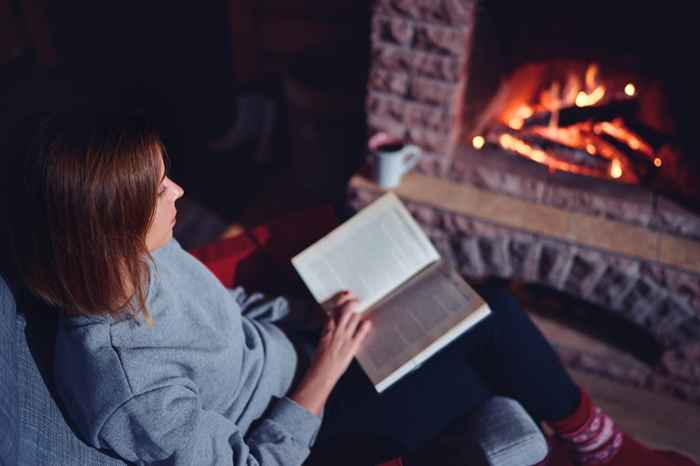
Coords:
503,434
33,431
45,437
8,378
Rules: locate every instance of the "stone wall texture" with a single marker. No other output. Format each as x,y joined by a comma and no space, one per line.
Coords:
418,52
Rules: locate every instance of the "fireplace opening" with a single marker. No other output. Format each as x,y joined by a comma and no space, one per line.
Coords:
569,117
590,91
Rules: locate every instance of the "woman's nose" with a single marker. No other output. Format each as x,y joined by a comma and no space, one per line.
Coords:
178,191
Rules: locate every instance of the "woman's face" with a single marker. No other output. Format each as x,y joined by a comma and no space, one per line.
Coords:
161,229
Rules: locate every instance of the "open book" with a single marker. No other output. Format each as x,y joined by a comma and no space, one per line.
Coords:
416,302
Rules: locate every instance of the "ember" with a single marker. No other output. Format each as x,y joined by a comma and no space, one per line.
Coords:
580,124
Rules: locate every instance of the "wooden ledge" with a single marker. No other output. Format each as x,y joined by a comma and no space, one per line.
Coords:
596,232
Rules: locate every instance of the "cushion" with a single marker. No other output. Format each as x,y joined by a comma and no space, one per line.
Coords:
44,436
250,259
501,433
8,378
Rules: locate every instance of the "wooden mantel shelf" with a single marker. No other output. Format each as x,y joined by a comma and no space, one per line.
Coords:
575,227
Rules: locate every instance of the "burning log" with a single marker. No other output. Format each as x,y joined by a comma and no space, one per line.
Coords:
564,159
626,109
640,163
654,138
574,149
567,153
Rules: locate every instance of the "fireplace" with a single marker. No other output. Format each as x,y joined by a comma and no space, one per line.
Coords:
591,92
558,145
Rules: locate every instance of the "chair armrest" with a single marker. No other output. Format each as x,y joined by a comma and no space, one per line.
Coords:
502,433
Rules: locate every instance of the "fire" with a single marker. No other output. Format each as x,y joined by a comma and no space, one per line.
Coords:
520,147
525,112
563,129
617,130
587,99
616,168
516,123
478,142
591,76
594,92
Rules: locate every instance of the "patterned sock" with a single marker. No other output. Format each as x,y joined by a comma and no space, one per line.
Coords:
597,441
593,438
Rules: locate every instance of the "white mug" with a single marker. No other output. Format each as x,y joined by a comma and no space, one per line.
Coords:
391,161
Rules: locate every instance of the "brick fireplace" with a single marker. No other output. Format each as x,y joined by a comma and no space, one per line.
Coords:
632,249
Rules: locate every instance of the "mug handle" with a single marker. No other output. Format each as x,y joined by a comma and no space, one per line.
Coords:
412,155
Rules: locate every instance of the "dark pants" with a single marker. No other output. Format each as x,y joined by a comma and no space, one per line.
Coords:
505,354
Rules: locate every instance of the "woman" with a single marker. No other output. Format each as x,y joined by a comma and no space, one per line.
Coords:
158,362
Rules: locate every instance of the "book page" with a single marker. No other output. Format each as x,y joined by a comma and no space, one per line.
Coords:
371,254
414,317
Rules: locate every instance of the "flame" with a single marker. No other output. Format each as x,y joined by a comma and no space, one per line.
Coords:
516,123
591,76
520,147
587,99
657,162
478,142
616,168
524,111
617,130
521,114
600,140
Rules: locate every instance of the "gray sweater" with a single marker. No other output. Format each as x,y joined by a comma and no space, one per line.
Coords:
205,385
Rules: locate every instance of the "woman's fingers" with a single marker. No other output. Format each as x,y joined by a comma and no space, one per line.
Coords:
328,327
347,315
361,333
341,298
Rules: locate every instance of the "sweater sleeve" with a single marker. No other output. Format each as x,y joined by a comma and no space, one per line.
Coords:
297,314
261,307
169,425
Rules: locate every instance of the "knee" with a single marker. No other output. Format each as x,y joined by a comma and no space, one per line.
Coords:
504,306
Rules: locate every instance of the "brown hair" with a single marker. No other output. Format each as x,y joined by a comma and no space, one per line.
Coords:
85,191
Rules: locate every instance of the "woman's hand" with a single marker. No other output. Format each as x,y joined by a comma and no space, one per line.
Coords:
342,336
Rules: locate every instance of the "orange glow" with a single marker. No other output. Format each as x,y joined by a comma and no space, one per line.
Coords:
516,123
591,76
478,142
657,162
522,148
616,168
525,112
584,99
617,130
535,93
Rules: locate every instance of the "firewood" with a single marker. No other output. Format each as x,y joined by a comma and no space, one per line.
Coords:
571,115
